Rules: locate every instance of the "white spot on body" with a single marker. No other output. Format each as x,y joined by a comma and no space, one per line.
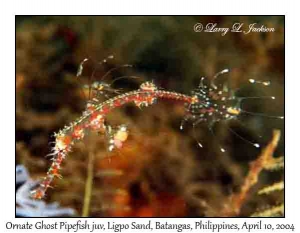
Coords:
256,145
111,147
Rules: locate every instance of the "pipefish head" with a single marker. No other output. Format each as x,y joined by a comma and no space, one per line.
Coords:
212,104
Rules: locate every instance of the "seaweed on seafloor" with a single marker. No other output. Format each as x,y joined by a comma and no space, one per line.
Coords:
276,209
265,161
